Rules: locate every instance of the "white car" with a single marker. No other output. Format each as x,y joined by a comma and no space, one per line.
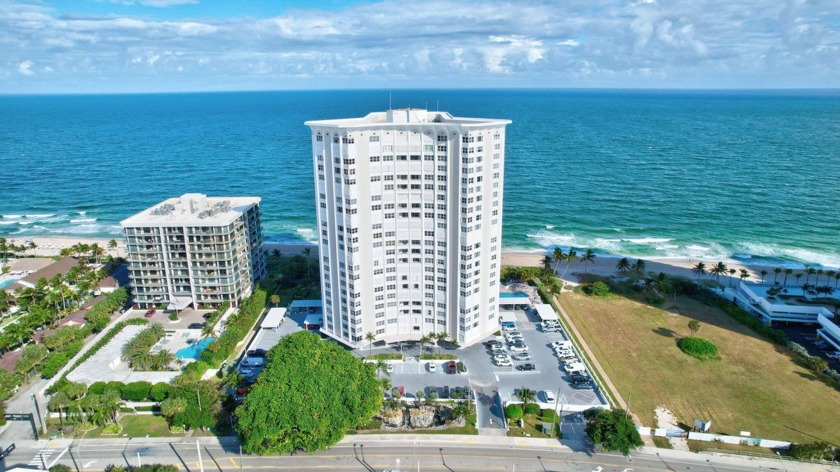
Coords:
504,362
564,352
500,356
548,396
512,334
432,367
560,344
574,367
518,348
522,356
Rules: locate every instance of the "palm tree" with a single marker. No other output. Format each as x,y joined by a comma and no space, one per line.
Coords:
819,273
699,270
797,276
453,343
370,337
4,250
787,272
570,257
441,338
745,274
526,395
639,267
33,246
425,339
776,273
623,265
59,401
112,244
763,274
275,299
306,252
163,359
546,262
557,256
382,368
588,257
732,272
810,271
717,270
836,279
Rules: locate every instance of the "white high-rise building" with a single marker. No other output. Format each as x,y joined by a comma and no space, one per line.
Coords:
410,224
195,250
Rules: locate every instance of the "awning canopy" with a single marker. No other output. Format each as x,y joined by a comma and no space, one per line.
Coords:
305,306
507,317
545,312
313,320
273,318
179,303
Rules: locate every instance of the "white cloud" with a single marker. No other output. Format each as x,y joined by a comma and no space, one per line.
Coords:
616,43
25,68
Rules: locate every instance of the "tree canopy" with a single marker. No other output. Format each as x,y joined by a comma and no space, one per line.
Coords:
613,430
309,394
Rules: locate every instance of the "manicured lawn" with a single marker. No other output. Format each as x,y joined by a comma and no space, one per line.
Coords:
138,426
530,428
753,387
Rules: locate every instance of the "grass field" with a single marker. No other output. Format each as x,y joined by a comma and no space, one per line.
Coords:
753,387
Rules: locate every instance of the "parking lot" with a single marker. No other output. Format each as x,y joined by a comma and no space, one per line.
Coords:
494,384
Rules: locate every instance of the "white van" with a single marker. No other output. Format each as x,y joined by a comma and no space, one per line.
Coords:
574,367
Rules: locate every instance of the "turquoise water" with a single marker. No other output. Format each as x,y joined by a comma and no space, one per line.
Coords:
668,174
193,351
513,295
7,283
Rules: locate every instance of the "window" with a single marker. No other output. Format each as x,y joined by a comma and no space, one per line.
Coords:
374,139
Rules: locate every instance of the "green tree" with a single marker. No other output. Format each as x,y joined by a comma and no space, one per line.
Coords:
817,450
59,401
613,430
571,257
787,272
526,395
694,326
370,337
557,256
639,267
546,262
275,299
731,274
699,270
513,412
307,397
623,265
441,338
776,273
588,257
763,274
717,270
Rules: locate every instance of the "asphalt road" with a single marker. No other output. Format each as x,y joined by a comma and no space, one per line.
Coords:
436,454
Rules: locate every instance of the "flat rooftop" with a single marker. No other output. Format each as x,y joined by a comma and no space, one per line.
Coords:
192,209
404,116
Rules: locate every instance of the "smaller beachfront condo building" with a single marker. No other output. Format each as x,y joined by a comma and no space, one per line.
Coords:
195,250
754,299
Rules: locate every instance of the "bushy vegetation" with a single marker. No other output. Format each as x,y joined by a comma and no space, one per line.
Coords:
236,329
531,409
100,314
597,289
137,352
514,412
59,358
309,394
385,356
698,347
817,450
33,354
613,430
136,391
142,468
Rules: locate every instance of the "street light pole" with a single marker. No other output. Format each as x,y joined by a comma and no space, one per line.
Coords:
780,460
38,410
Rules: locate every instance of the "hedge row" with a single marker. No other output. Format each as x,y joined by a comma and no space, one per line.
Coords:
100,314
59,358
134,391
238,326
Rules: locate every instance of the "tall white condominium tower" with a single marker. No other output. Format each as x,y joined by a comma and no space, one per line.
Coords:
410,224
195,250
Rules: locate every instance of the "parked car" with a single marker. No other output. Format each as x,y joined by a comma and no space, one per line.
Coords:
577,376
518,347
833,355
430,389
196,325
502,355
497,349
548,396
432,367
560,344
503,362
522,356
451,367
512,334
525,367
581,384
150,313
492,342
510,327
552,329
574,367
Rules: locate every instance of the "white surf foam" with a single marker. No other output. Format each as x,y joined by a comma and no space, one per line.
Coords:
83,220
12,217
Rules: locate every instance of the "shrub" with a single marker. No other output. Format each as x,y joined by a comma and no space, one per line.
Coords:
817,364
385,356
238,326
441,357
33,354
173,316
513,411
136,391
548,415
97,388
159,391
698,347
531,409
817,450
60,468
195,370
112,429
597,289
114,386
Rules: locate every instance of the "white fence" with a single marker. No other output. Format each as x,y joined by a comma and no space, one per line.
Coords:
768,443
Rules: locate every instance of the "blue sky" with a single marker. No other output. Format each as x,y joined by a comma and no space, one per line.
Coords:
90,46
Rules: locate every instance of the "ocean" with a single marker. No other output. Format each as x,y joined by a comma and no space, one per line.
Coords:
753,176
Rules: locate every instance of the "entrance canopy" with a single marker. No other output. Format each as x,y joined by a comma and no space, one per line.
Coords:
313,321
273,318
179,303
545,312
305,306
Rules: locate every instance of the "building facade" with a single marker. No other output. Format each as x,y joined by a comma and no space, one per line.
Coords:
409,224
195,250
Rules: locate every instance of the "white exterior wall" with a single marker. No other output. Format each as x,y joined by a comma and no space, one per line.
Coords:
410,234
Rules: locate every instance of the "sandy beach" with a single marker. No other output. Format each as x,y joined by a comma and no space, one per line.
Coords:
603,265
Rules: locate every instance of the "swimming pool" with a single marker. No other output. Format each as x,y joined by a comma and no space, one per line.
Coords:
7,283
193,351
513,295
